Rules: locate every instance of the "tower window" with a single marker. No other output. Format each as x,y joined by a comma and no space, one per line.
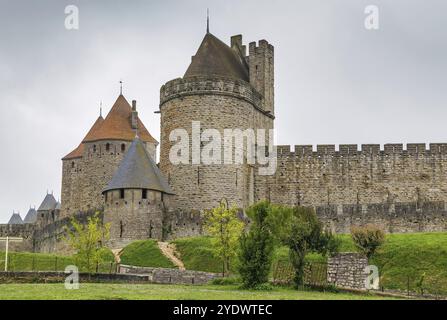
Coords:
144,194
123,147
107,146
94,148
72,164
121,229
121,193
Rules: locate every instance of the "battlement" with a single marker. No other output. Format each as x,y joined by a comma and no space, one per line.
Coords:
240,89
345,150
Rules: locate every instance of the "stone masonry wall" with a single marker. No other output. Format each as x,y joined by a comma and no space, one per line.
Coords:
347,270
134,218
170,276
218,104
399,190
24,231
84,179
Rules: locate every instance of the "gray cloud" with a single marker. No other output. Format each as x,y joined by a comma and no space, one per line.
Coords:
335,81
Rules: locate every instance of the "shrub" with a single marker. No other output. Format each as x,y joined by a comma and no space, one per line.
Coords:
367,239
256,247
226,281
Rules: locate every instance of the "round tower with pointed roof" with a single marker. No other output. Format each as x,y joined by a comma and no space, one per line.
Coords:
137,198
223,88
88,168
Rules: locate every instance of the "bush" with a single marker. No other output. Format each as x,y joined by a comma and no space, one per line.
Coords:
256,247
367,239
227,281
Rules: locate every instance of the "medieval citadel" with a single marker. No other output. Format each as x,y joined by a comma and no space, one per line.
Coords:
113,169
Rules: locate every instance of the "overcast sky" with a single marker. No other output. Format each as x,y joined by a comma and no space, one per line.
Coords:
336,82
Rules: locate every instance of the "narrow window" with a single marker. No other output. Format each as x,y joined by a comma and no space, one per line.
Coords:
107,146
144,194
121,229
94,148
123,147
72,164
121,193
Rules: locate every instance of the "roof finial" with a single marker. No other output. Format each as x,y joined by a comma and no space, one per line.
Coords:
121,86
207,20
100,108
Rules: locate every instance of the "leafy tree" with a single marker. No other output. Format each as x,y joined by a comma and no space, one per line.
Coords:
300,230
88,241
367,239
223,224
256,247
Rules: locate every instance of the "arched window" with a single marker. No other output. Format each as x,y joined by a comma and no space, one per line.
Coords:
107,146
123,147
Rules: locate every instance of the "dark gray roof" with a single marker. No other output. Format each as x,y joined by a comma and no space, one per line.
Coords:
215,58
15,219
31,216
138,171
58,206
49,203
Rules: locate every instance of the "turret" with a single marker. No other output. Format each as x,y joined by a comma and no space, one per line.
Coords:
137,199
261,64
218,93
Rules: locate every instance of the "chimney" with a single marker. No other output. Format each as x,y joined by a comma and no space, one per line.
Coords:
134,115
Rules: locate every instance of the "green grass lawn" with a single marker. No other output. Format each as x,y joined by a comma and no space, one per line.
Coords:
145,253
26,261
404,259
90,291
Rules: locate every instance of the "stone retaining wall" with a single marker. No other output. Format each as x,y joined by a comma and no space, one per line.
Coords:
169,276
59,277
347,270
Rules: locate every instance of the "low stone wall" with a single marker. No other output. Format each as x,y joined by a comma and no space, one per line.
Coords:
170,276
59,277
347,270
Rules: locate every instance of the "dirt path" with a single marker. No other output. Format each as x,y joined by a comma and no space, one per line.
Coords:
117,254
168,250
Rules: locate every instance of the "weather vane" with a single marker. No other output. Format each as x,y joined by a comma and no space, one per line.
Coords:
121,86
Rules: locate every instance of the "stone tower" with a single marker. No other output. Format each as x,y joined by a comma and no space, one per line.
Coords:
223,88
137,198
87,170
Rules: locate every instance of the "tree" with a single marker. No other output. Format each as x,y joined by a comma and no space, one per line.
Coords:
256,247
88,241
223,224
300,230
367,239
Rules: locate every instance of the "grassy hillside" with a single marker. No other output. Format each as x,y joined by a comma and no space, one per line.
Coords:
417,260
197,254
145,253
26,261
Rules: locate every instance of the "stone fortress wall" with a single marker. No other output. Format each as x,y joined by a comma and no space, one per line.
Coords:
217,104
83,179
401,190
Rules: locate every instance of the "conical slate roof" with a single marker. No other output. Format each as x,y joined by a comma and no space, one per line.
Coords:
138,171
48,203
78,152
118,125
15,219
31,216
215,58
58,206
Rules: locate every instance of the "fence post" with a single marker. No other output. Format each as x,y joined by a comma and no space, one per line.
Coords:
55,264
34,263
408,285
